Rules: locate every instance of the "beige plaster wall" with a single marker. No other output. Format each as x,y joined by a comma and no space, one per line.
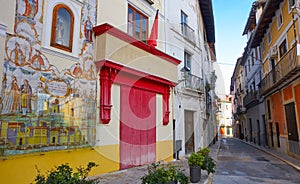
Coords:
126,54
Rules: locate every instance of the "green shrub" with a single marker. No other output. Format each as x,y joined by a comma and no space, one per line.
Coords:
196,159
159,174
63,174
208,163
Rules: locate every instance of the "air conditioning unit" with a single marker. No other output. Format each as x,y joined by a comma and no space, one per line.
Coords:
273,52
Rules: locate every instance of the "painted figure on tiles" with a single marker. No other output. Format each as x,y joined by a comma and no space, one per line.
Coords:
42,96
31,8
11,98
88,29
60,31
16,55
77,72
37,61
26,94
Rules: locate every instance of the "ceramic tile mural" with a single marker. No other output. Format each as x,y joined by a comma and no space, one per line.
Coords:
44,108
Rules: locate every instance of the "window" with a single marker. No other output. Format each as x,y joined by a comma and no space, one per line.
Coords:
282,48
137,24
269,109
269,36
187,61
62,28
252,55
291,4
183,22
246,70
279,19
249,65
262,46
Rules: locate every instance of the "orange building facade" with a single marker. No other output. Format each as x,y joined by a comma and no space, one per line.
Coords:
277,34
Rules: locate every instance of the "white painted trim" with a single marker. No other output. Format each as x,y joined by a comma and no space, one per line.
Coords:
3,29
59,54
76,10
146,4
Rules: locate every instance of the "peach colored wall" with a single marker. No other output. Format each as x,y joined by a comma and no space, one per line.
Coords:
278,110
297,101
288,93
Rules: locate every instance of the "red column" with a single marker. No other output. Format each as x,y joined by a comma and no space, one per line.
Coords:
166,111
106,79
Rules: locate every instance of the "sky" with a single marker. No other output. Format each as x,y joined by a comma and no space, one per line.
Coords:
230,18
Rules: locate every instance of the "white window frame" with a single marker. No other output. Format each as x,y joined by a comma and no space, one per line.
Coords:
76,10
269,36
291,5
188,68
279,19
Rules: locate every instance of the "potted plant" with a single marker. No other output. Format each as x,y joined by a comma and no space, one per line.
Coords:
208,163
195,162
164,175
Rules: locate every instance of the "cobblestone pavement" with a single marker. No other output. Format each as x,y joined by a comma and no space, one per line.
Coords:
133,175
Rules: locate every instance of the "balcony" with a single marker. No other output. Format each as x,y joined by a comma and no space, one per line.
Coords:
240,110
250,98
285,69
188,32
193,82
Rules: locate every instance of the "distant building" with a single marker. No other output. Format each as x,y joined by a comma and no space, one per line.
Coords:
271,71
253,101
190,38
225,117
237,91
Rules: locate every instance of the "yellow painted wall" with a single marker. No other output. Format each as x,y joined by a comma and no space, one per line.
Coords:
21,169
279,34
164,151
164,133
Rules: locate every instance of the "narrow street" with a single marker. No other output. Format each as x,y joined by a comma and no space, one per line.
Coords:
239,162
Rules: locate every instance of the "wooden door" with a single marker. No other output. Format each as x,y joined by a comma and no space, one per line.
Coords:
189,131
137,127
291,122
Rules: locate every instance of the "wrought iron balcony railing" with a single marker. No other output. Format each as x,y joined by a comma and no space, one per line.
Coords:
251,97
188,32
240,110
286,68
193,82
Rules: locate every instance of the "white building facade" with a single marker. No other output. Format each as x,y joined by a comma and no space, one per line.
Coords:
186,41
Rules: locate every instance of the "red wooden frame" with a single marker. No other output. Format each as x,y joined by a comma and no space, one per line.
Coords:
115,73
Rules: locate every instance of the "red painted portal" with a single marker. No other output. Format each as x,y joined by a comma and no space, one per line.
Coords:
137,127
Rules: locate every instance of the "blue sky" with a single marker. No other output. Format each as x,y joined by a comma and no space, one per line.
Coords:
230,18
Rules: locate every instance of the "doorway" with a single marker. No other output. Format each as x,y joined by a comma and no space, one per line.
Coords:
189,131
137,127
271,134
258,132
291,121
277,134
